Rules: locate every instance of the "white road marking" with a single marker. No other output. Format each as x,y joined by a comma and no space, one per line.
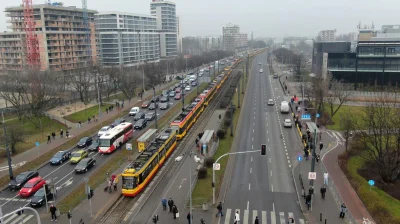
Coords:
273,207
282,217
249,186
268,140
264,216
253,129
251,159
228,216
252,138
252,147
270,172
269,159
64,177
251,169
246,217
288,161
248,205
272,188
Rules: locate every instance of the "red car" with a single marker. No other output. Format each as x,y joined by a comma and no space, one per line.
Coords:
178,96
177,90
145,104
32,186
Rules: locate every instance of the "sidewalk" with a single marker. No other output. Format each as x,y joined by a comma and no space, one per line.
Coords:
33,153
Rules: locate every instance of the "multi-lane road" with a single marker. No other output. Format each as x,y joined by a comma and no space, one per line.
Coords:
262,185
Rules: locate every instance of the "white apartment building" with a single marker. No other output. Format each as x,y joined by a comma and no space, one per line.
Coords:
327,35
232,39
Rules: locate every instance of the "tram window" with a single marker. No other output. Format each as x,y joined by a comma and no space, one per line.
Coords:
128,182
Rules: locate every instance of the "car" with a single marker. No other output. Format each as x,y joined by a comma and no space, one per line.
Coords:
275,76
84,165
134,111
140,124
200,74
117,122
171,94
287,123
139,116
32,186
261,70
103,130
150,116
84,142
94,146
194,83
40,197
178,96
145,104
271,102
22,178
77,156
188,88
178,90
60,157
164,99
155,99
164,106
153,106
164,93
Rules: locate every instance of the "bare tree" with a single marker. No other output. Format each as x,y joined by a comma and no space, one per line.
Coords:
127,80
15,135
347,124
337,95
299,64
12,90
378,124
81,80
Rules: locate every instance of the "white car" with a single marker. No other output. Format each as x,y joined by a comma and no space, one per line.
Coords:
287,123
103,130
271,102
178,158
187,88
134,111
261,70
200,74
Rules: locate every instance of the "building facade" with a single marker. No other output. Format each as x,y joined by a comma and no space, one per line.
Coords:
327,35
321,49
232,39
126,39
65,43
167,24
178,20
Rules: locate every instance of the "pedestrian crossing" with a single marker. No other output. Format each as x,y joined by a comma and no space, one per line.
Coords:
14,219
15,199
264,217
338,136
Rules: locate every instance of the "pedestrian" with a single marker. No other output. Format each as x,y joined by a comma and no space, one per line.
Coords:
48,139
290,219
107,110
53,134
343,210
164,204
175,211
256,220
303,193
237,218
321,145
311,190
61,133
88,120
326,178
109,185
323,191
308,201
80,124
67,134
81,221
317,158
114,183
170,204
189,218
197,142
53,210
94,117
219,208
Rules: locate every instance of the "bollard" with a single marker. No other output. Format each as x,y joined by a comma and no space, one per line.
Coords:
320,217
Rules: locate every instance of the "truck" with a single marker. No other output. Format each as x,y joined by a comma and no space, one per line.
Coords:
284,107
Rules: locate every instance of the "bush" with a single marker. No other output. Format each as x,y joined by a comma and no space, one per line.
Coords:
202,173
227,122
209,162
221,133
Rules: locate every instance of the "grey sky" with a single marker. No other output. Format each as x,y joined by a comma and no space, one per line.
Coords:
265,17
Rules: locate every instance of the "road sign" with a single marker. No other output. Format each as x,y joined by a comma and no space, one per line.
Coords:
312,175
317,115
217,166
37,143
129,146
306,116
299,158
371,183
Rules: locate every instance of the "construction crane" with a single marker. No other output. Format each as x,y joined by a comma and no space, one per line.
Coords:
32,43
87,29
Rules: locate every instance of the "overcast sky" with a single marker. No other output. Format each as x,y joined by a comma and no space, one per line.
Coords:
266,18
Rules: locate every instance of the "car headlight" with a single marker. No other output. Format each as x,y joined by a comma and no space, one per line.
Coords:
29,191
39,200
18,184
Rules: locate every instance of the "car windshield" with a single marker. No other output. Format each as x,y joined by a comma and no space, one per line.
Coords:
40,193
77,154
28,185
83,140
149,115
128,182
104,143
82,163
21,177
58,155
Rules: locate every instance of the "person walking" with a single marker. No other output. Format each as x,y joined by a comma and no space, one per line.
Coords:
321,145
237,218
80,124
311,190
290,219
61,133
67,134
189,218
109,185
308,201
175,211
219,208
170,204
164,204
48,139
326,175
53,135
53,210
256,220
323,191
343,210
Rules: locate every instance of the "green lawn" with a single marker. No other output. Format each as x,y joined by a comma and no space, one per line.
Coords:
84,114
344,111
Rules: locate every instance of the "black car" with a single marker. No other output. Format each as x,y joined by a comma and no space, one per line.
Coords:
94,146
84,165
164,93
138,116
39,198
140,124
150,116
171,94
164,99
164,106
85,141
60,157
21,179
117,122
153,106
155,99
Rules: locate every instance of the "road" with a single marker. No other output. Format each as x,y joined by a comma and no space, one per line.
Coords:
63,176
262,185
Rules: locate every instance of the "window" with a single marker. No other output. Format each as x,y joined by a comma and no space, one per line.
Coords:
128,182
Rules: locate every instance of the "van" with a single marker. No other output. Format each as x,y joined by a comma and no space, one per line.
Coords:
284,107
134,111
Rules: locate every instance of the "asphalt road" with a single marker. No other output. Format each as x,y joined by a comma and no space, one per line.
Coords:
63,176
262,185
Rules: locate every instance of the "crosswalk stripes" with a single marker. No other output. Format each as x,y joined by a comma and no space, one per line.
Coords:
14,219
248,217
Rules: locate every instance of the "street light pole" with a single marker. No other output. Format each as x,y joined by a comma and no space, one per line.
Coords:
10,171
232,118
155,106
190,180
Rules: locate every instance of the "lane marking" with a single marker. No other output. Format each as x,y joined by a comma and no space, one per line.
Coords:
264,216
272,188
270,172
248,205
251,159
253,129
252,147
249,186
269,159
268,140
252,138
251,169
273,207
228,216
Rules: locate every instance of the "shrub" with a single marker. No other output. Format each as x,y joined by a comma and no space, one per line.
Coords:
209,162
221,133
202,173
227,122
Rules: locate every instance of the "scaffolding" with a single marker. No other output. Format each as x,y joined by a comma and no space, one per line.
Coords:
32,44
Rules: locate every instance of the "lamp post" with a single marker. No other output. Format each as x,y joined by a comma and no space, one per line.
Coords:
190,181
155,106
10,171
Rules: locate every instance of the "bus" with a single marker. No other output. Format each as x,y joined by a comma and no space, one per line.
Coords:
115,137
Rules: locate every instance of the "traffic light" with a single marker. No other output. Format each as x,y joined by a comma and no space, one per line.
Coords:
263,150
69,215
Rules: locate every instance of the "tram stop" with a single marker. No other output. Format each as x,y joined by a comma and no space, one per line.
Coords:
207,141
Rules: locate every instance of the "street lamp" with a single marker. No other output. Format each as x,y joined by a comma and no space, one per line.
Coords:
190,181
155,105
10,171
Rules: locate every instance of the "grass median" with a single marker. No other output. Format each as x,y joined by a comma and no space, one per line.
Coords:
83,115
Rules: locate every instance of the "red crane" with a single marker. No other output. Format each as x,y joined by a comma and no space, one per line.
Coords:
32,43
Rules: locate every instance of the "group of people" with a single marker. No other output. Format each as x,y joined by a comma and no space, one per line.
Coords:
172,207
53,135
112,183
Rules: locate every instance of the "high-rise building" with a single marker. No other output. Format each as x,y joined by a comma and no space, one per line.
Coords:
126,39
61,34
165,12
232,38
327,35
178,20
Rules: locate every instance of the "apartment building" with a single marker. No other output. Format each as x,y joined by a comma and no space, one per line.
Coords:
127,39
178,20
65,42
167,24
326,35
232,38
